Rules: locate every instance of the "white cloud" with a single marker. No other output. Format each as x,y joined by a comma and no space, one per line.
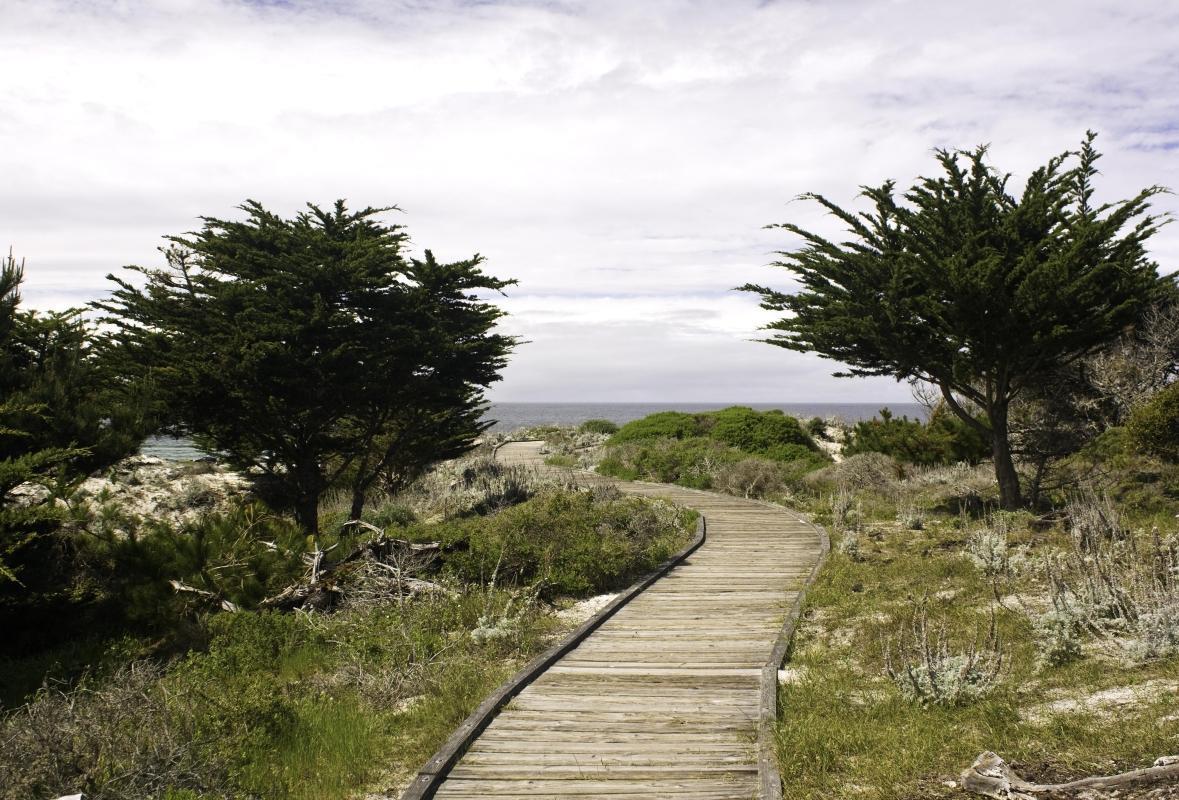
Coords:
618,158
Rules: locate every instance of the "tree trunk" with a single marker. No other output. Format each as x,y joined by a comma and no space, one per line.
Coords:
308,486
1010,497
307,513
1037,481
358,498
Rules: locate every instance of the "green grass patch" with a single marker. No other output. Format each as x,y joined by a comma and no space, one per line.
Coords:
845,729
562,543
327,705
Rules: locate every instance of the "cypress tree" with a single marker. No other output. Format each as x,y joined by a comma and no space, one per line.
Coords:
961,284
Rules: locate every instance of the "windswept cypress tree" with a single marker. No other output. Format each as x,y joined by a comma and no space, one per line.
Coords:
965,286
21,523
310,351
59,421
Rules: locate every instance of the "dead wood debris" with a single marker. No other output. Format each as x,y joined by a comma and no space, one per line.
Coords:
379,569
396,561
209,597
991,776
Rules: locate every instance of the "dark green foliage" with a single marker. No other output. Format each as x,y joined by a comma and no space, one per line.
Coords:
766,433
965,286
664,424
688,462
58,422
64,381
25,522
703,450
566,543
241,556
945,439
1154,425
598,426
312,351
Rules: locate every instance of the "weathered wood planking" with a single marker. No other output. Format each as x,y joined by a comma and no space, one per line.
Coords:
664,698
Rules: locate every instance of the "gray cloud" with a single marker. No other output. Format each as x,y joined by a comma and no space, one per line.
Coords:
618,158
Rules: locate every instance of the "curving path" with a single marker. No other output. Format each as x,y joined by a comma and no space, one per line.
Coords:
663,700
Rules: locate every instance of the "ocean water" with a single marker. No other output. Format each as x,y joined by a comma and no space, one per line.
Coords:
513,416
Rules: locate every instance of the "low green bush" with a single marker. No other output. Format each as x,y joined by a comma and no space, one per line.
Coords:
598,426
662,425
945,439
688,462
710,458
241,556
565,543
770,434
1154,426
285,706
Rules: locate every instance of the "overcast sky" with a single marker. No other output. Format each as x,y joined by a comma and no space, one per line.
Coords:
618,158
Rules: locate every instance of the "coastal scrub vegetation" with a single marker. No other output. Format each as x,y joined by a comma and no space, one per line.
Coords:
1154,425
64,412
309,611
943,625
313,623
966,287
1024,606
943,439
311,352
217,692
732,447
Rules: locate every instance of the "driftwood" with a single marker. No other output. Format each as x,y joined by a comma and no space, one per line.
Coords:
397,557
991,776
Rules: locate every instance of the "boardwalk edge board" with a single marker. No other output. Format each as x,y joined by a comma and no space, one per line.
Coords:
431,776
769,777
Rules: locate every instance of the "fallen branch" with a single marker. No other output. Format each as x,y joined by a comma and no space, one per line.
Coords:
412,585
319,590
210,597
991,776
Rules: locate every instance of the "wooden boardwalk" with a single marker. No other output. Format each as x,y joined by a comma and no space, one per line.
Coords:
662,700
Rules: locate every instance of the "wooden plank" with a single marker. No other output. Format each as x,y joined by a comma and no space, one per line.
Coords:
587,790
590,772
667,697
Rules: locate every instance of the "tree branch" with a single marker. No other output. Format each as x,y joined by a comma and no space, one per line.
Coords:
991,776
966,417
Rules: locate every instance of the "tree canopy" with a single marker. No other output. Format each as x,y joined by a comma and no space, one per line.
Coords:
311,351
964,285
60,419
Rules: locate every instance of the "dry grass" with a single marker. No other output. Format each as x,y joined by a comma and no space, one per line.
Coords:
120,739
848,729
